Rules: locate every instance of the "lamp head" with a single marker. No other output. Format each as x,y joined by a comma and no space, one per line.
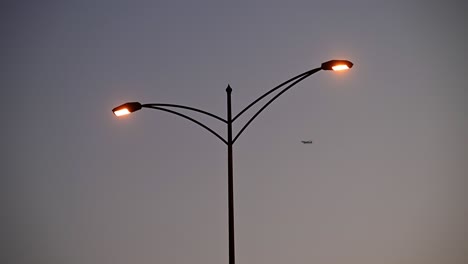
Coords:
337,65
126,108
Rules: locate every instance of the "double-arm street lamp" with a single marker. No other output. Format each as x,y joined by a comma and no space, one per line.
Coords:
127,108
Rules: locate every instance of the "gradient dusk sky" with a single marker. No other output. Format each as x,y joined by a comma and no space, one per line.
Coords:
384,181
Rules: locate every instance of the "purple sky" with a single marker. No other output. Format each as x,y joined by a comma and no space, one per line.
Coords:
384,181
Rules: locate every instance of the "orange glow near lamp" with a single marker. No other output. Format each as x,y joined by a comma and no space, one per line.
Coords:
126,108
337,65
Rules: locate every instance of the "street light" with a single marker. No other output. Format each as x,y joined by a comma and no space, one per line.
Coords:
127,108
337,65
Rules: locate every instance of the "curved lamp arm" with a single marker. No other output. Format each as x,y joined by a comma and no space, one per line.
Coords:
155,106
130,107
296,79
274,89
186,107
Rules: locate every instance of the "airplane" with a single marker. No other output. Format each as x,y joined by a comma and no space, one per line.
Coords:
306,141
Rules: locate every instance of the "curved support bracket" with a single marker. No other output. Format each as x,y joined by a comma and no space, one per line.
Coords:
297,79
188,108
158,107
310,72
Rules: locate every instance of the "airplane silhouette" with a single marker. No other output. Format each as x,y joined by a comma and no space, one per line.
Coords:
306,141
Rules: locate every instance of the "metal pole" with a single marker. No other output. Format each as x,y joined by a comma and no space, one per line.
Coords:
230,181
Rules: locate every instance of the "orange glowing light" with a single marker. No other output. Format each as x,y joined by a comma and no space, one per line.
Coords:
336,65
121,112
340,67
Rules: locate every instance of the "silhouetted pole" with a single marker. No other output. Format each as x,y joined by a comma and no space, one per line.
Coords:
230,180
127,108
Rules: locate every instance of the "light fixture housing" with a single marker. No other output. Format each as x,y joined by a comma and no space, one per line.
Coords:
126,108
337,65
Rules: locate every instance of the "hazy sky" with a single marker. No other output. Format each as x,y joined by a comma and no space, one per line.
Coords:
384,181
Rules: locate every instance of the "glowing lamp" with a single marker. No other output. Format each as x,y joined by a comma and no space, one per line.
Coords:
340,67
126,108
337,65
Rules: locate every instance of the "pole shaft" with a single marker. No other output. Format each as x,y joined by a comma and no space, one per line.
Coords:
230,180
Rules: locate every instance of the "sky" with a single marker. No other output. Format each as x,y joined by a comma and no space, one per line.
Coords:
383,182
